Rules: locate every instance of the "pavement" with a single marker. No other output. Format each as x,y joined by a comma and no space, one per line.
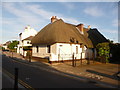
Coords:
8,82
99,73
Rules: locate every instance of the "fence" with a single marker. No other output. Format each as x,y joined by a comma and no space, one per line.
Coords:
76,59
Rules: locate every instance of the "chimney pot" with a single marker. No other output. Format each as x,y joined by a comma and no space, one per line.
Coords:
53,19
89,27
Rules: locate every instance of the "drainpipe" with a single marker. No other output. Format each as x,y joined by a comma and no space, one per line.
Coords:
59,55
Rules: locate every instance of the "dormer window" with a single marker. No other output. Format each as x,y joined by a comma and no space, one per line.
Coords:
77,42
72,40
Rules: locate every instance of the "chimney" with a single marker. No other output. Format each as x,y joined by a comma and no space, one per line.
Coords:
20,36
80,26
53,19
89,27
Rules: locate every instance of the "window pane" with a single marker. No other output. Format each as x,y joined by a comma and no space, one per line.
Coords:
48,48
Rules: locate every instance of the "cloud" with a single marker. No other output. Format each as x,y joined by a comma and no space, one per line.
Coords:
22,16
60,0
111,34
93,11
27,14
110,31
68,5
116,23
39,11
33,13
47,14
11,7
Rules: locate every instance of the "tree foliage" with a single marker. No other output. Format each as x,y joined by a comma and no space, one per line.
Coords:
13,44
103,50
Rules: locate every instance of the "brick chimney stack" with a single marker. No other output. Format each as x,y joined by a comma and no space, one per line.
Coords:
53,19
81,26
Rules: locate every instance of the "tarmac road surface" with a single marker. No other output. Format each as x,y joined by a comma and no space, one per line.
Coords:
31,77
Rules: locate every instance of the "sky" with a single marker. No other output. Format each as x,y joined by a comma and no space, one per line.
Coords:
17,15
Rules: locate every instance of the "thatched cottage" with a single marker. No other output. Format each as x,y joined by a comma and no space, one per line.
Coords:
59,40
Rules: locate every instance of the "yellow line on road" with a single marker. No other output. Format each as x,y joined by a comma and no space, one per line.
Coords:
20,81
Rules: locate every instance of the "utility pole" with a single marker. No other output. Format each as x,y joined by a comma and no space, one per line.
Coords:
88,62
12,53
29,56
75,62
93,57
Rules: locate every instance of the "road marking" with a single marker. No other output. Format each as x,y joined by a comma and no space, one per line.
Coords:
20,81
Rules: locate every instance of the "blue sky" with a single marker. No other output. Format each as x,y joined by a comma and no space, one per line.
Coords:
100,15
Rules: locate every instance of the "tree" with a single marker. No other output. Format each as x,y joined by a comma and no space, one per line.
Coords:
103,50
13,44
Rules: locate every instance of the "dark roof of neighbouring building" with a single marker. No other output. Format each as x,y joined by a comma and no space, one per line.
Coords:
96,37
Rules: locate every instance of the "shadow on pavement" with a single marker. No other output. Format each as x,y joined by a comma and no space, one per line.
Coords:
103,74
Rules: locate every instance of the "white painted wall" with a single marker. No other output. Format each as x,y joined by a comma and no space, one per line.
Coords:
42,51
5,46
64,51
28,31
88,53
26,44
61,51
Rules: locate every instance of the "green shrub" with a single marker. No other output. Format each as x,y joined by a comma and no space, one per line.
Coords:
103,51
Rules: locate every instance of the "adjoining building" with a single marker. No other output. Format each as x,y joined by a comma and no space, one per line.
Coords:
5,45
25,40
59,41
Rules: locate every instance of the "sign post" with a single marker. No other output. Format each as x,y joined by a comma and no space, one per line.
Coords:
16,79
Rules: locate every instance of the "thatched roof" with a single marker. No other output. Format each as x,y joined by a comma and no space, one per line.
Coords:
84,37
96,37
60,32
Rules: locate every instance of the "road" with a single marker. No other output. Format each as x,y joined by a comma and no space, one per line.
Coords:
32,77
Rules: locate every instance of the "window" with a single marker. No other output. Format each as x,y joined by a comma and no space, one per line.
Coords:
76,49
37,49
72,40
28,42
61,45
77,41
48,48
